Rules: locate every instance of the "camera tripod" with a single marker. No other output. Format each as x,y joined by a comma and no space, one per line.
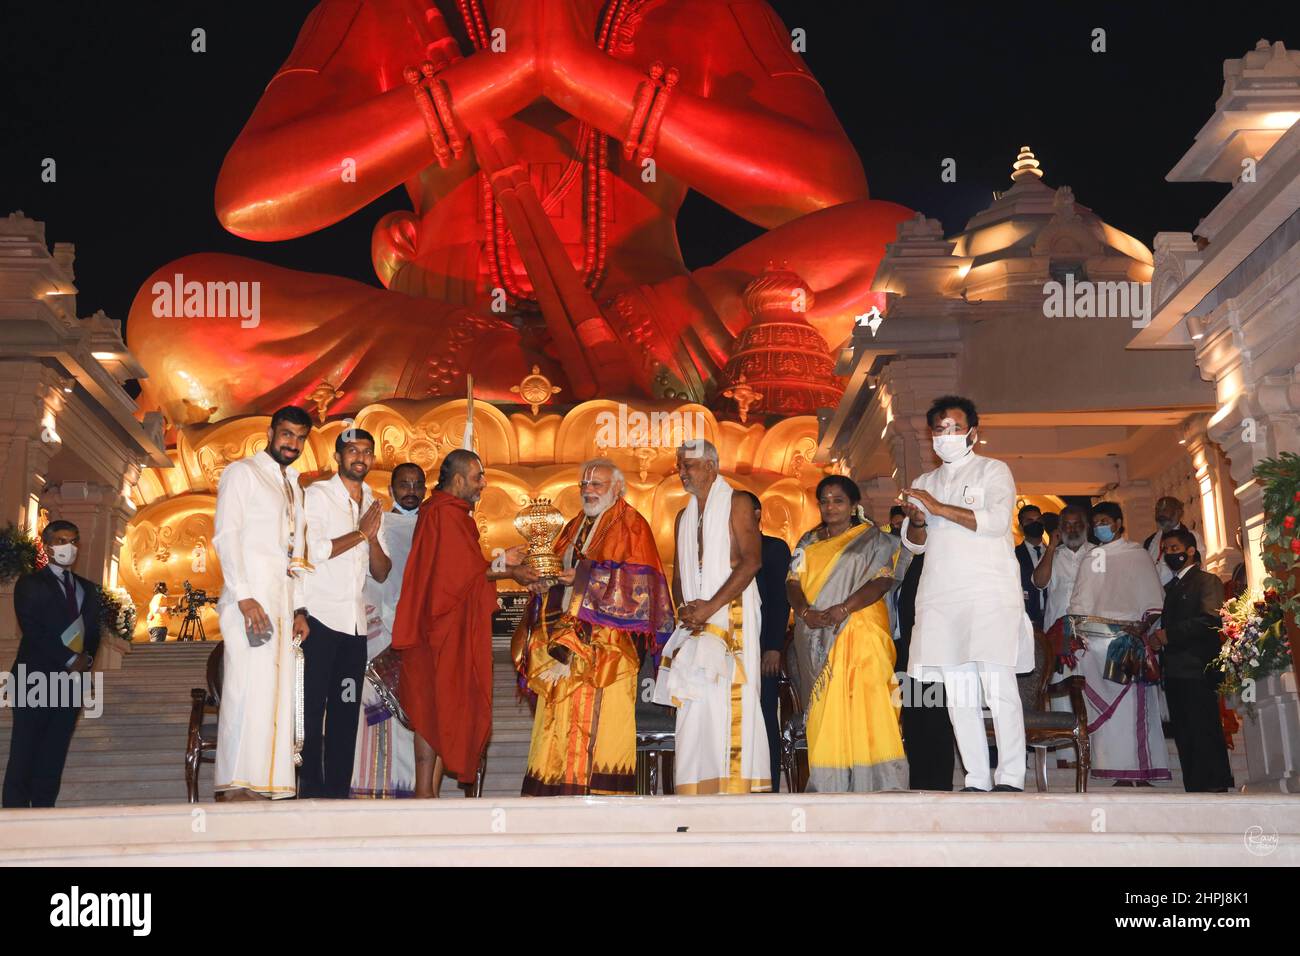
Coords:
192,625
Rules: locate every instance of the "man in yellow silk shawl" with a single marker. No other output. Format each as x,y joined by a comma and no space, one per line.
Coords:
579,647
844,649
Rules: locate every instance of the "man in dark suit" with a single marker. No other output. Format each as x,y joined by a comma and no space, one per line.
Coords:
927,731
771,639
1189,635
58,615
1029,552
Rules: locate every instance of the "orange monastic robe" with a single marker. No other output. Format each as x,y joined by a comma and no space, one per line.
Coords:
581,657
443,631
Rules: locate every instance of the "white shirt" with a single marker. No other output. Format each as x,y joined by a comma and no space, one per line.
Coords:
254,534
1065,568
969,604
334,593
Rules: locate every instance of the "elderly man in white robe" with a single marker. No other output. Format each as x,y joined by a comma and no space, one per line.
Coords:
971,630
1116,589
260,533
711,665
385,755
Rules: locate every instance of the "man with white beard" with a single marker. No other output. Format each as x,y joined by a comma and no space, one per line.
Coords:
580,645
260,535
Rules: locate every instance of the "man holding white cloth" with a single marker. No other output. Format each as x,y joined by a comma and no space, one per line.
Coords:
711,667
971,629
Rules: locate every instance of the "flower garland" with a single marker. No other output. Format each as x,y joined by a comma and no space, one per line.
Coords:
1255,643
117,611
1255,639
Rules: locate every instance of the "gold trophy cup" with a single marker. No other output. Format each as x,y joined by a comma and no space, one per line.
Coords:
540,523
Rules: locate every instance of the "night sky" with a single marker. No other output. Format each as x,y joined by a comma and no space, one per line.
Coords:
139,124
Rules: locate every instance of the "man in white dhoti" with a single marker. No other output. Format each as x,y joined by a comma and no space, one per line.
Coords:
1056,573
711,665
385,756
1116,588
971,630
259,529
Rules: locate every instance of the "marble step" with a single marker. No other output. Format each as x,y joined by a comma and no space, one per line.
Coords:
1148,829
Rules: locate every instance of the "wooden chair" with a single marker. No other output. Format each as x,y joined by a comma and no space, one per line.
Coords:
1049,728
201,743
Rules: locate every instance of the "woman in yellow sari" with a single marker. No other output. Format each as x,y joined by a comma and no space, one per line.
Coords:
844,648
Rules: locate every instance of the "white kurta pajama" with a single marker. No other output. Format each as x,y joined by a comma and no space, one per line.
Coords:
1118,583
721,739
971,630
253,540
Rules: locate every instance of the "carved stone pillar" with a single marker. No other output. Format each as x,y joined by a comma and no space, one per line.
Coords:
31,398
97,512
1220,516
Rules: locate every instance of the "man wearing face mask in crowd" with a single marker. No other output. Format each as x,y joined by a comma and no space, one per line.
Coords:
1169,518
58,617
896,516
1056,574
1115,590
1189,636
971,630
1029,553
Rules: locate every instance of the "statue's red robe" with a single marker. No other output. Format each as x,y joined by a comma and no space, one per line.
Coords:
443,632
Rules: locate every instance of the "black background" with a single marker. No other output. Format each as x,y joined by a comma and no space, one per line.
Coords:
139,124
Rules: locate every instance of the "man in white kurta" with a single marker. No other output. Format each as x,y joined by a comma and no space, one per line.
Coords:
1057,572
1116,587
385,755
711,665
260,526
971,630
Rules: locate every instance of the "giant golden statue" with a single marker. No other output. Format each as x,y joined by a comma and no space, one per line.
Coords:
546,146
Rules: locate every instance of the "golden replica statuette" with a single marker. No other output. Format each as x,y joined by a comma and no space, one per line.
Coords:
540,523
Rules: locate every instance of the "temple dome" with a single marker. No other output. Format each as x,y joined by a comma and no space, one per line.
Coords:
1034,219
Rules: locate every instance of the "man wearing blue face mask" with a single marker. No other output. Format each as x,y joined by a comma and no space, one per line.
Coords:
971,630
1115,590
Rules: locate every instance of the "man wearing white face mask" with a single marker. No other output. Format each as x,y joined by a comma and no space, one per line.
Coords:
58,615
971,630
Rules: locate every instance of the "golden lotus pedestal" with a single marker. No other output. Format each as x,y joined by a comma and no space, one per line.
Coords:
526,456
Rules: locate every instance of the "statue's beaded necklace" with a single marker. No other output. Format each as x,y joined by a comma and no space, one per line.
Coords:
591,145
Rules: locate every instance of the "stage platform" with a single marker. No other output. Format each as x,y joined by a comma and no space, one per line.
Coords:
1134,828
